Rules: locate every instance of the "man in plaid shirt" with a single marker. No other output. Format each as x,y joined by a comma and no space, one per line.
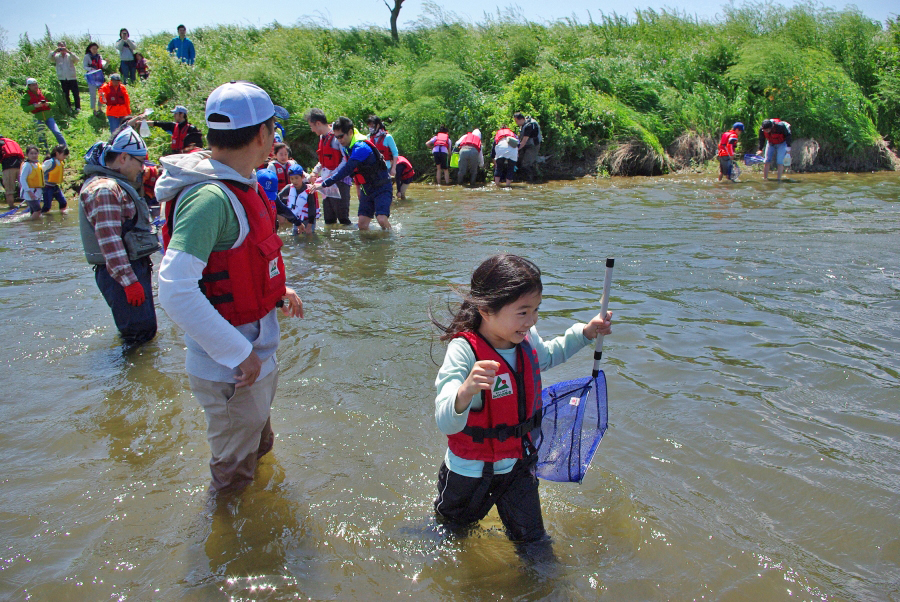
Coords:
117,234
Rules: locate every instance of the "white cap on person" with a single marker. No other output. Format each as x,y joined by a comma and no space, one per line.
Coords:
243,103
30,81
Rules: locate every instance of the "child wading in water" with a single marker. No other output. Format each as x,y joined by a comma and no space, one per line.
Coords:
491,378
31,181
54,166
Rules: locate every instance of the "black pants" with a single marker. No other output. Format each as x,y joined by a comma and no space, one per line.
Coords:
337,210
71,85
137,325
462,501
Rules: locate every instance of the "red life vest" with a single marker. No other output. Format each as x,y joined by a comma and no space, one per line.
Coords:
115,95
282,172
378,140
471,139
503,133
442,139
244,283
726,149
329,156
150,176
178,133
405,169
11,149
510,410
777,137
34,98
96,61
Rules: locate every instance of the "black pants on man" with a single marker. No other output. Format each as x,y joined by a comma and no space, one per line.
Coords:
71,85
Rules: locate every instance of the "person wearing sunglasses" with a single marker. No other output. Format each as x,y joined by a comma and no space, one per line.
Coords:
376,191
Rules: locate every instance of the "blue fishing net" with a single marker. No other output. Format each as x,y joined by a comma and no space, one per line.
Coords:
575,418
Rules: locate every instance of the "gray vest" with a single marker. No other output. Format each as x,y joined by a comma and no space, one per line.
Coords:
138,234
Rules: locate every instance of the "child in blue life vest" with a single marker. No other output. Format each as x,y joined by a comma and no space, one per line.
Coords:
303,204
31,181
488,392
54,167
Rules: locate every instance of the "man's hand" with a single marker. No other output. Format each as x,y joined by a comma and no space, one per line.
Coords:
293,305
248,370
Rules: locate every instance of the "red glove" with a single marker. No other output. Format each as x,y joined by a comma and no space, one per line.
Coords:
134,292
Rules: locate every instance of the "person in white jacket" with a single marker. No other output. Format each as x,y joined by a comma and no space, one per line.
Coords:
65,72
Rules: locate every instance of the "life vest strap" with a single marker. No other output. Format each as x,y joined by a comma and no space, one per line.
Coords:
502,432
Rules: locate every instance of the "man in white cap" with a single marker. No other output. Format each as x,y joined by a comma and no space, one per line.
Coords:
117,235
179,127
220,234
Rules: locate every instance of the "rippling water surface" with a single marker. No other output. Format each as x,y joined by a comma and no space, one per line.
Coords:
753,376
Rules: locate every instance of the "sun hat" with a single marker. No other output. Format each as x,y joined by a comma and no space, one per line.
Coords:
268,180
180,109
243,103
296,170
30,81
738,126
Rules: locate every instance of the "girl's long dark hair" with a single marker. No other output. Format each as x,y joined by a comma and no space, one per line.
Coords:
497,282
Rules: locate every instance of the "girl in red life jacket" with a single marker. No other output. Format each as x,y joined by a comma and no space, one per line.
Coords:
489,397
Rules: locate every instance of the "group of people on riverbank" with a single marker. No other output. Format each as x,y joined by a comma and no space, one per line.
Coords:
774,148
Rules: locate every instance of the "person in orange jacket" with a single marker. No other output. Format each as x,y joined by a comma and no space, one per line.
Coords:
114,95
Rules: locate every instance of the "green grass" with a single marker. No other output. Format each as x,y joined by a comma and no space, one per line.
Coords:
642,80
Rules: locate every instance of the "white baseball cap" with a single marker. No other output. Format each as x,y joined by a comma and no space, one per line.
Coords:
243,103
30,81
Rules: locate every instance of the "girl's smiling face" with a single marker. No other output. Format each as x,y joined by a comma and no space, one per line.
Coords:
282,155
32,155
507,328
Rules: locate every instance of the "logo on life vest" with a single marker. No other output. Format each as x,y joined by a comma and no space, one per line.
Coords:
502,386
273,268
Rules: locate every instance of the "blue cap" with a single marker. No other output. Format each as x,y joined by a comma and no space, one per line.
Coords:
180,109
268,180
296,170
738,126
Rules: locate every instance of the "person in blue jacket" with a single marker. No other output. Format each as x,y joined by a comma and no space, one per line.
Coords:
182,47
365,160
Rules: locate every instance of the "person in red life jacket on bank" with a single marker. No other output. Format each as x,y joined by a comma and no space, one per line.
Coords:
384,142
776,135
93,64
114,95
281,164
376,191
223,276
117,235
34,102
11,158
440,150
489,394
727,146
505,153
336,201
179,128
471,158
405,175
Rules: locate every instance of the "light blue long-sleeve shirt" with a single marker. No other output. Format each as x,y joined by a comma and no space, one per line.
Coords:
183,49
458,363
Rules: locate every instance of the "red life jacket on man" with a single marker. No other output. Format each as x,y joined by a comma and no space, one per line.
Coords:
503,133
442,139
777,137
11,149
34,98
244,283
115,95
510,410
178,133
329,156
378,140
471,139
405,169
726,149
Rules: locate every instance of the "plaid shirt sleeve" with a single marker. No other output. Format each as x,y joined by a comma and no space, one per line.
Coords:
107,207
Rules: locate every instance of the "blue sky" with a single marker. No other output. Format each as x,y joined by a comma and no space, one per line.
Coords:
67,17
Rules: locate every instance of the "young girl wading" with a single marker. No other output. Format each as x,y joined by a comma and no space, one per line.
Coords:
488,393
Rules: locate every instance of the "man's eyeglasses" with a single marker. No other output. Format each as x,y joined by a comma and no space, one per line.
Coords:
340,136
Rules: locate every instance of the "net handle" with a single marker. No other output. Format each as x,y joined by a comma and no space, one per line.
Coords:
604,303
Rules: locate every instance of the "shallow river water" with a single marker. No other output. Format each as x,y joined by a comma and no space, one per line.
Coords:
753,451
